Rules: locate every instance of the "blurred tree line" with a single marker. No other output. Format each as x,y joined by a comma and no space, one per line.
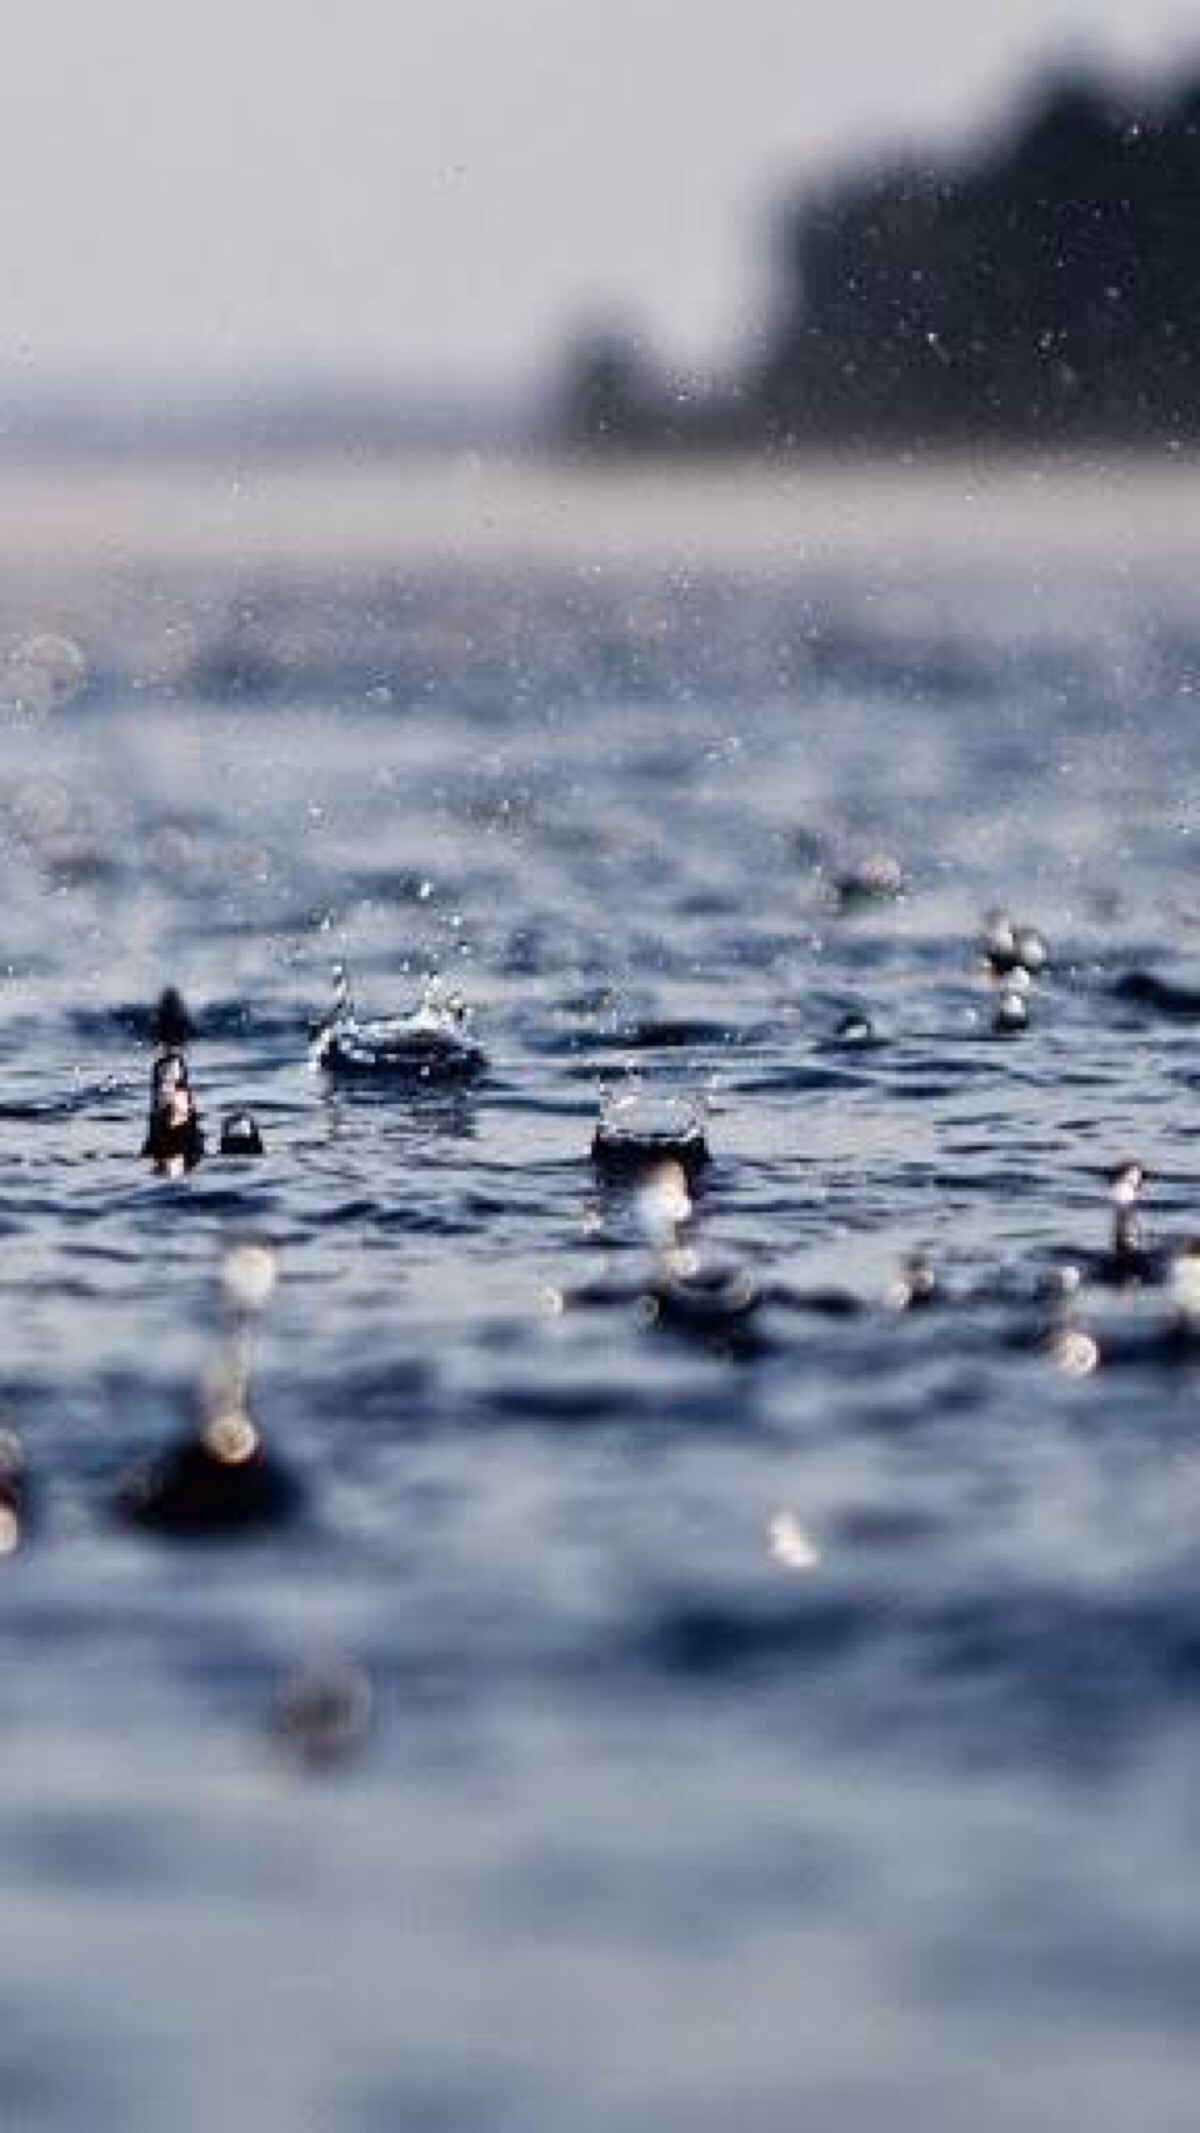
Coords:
1045,286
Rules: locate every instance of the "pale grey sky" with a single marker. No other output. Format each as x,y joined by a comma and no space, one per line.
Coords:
436,193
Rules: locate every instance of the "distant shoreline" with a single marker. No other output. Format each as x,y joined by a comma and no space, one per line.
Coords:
63,515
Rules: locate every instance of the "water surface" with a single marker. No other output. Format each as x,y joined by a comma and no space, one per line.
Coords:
802,1732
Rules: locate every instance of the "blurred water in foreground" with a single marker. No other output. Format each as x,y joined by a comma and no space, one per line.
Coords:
632,1730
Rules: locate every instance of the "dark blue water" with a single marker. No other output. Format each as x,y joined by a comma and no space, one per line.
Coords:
792,1730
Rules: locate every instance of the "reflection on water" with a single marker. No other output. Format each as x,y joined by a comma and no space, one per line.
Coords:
698,1649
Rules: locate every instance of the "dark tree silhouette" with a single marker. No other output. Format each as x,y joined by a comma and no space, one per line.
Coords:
1047,285
610,395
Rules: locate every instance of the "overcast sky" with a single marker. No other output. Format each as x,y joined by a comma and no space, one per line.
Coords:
440,190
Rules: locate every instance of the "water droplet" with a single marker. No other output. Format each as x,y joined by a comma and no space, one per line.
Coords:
248,1277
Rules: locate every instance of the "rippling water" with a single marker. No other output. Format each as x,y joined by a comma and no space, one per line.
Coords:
798,1730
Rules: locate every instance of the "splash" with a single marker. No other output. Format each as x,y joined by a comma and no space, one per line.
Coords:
637,1132
431,1043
